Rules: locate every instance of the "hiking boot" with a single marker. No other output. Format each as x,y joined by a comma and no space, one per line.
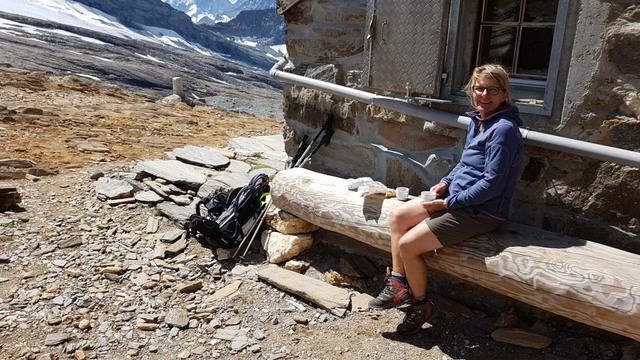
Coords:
396,294
416,316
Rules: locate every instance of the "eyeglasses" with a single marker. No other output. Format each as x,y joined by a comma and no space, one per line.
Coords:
492,90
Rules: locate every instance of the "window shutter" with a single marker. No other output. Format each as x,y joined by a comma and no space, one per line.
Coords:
404,45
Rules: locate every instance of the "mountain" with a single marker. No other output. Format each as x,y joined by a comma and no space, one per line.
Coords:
142,44
257,24
215,11
154,13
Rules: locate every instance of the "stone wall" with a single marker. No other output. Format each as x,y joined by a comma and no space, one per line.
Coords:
600,103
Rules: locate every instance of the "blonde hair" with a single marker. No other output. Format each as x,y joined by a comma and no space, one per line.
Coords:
497,72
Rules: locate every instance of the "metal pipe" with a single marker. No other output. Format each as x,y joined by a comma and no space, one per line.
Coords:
546,141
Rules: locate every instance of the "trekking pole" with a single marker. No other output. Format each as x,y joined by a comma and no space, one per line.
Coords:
261,220
327,125
312,148
253,229
326,139
301,149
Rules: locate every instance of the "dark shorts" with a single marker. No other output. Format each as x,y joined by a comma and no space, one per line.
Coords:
455,226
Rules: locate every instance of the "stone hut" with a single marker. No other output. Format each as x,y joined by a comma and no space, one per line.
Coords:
575,73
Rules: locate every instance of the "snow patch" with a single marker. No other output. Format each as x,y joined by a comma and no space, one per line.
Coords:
246,42
279,48
149,57
88,77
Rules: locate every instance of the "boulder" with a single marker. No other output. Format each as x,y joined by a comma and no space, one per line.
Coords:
287,223
283,247
108,188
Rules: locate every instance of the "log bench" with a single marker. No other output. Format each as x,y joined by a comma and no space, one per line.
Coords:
585,281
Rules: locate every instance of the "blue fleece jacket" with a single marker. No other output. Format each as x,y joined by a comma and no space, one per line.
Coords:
486,176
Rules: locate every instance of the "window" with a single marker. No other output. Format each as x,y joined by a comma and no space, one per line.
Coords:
525,36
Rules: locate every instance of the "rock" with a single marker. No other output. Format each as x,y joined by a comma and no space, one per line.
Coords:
222,182
146,326
521,337
301,320
153,223
180,200
453,308
177,317
238,345
69,243
508,318
173,171
159,189
18,163
84,324
360,302
286,223
113,270
107,188
177,247
179,214
247,146
148,197
236,166
56,339
224,292
326,296
33,111
116,202
171,99
172,235
140,279
96,175
347,268
267,171
189,287
363,266
79,355
297,266
259,334
32,178
200,156
231,334
93,146
281,247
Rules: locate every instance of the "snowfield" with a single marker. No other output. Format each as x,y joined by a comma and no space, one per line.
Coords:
75,14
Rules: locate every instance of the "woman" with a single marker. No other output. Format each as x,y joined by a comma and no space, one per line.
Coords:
473,199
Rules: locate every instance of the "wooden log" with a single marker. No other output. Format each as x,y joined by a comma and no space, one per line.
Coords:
582,280
9,197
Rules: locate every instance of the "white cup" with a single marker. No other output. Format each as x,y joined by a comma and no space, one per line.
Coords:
402,193
427,196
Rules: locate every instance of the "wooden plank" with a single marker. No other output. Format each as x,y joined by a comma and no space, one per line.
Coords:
582,280
318,292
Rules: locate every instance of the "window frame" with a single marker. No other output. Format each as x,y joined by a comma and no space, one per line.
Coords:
453,46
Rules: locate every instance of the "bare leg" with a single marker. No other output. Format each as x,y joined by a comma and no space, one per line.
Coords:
411,246
403,218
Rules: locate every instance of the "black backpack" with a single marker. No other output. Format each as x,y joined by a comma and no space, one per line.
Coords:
229,215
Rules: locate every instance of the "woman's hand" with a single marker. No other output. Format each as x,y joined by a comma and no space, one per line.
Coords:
440,188
434,206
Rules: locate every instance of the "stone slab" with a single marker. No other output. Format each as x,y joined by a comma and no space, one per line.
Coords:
223,181
148,196
200,156
173,171
179,214
327,296
108,188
